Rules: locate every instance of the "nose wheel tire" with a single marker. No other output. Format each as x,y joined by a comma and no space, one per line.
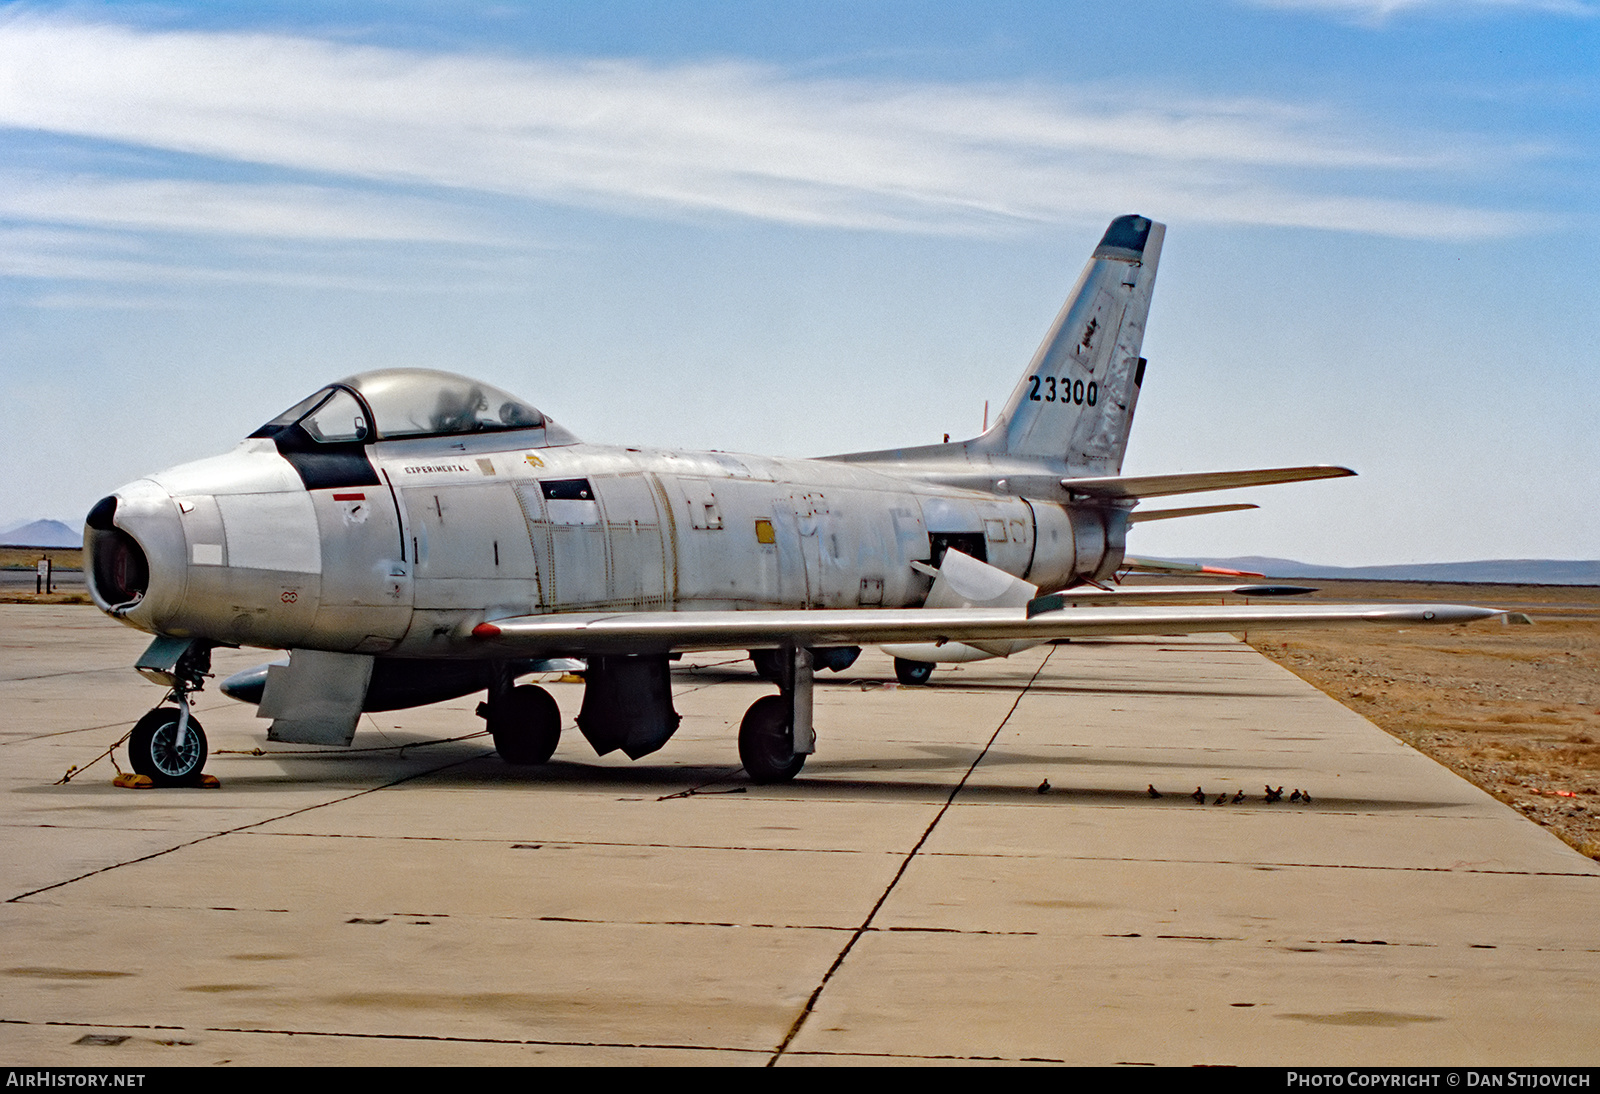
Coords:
766,747
525,725
912,673
154,749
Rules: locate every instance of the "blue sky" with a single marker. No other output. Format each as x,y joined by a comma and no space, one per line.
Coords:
811,228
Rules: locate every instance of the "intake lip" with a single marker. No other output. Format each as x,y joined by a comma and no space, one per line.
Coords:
118,571
135,557
103,517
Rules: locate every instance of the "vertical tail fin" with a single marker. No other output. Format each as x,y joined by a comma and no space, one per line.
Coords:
1076,401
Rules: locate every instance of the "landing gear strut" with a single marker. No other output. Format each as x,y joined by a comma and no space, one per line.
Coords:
776,734
167,745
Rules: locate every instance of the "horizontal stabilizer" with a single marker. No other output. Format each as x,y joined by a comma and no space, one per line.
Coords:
1133,565
1155,486
1140,516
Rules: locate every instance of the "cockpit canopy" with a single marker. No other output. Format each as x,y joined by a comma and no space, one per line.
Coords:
405,402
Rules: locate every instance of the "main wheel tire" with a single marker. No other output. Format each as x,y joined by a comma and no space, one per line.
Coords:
525,725
912,673
154,751
766,747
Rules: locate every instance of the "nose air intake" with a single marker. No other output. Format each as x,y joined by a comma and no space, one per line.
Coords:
119,572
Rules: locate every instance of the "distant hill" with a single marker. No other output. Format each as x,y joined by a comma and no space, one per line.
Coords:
43,533
1504,571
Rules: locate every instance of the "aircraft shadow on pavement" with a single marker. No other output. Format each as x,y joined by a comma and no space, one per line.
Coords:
464,767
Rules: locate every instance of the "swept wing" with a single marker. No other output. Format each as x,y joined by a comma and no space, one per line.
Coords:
582,634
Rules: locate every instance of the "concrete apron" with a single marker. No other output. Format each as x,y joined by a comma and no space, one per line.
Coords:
918,894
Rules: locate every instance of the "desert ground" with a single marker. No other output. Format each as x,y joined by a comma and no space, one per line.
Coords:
1515,709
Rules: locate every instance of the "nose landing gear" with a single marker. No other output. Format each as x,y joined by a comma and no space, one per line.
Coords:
168,745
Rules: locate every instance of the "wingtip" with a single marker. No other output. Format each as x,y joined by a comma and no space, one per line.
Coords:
1434,613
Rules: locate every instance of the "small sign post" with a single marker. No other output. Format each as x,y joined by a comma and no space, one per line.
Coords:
42,576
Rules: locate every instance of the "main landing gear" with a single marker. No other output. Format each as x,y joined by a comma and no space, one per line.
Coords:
776,734
524,721
167,745
912,673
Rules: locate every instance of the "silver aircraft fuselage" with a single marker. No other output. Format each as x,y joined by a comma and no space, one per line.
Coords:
242,552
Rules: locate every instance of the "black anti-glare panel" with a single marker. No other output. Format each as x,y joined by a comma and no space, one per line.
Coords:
336,465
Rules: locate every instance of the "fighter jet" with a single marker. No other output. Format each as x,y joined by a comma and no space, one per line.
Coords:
413,536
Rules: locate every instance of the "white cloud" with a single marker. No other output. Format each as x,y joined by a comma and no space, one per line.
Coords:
1375,12
686,140
187,205
76,254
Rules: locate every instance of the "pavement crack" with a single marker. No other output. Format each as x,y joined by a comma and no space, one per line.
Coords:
905,864
238,828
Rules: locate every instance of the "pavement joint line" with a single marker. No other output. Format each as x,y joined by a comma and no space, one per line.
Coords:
68,672
19,739
1508,947
670,1046
824,1053
231,831
584,920
866,924
939,854
387,1036
1246,862
553,844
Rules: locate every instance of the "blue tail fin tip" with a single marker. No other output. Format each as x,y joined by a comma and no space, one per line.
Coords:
1125,239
